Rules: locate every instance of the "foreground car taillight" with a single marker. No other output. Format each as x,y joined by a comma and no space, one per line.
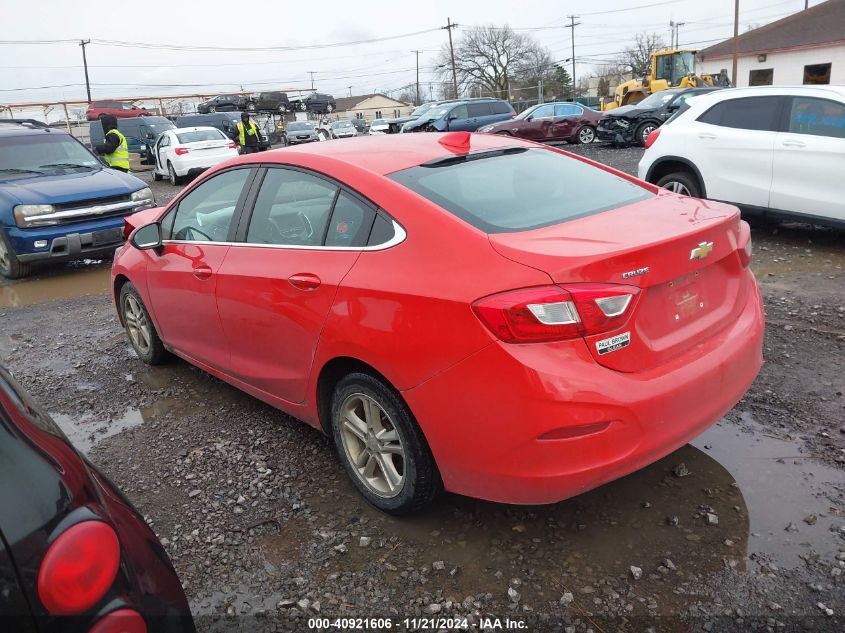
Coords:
556,313
120,621
651,138
233,145
181,151
745,248
79,567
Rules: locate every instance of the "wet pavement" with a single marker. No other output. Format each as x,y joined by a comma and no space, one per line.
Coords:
743,529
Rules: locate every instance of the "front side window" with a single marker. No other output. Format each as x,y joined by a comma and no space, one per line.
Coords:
566,109
817,117
500,107
519,189
460,112
749,113
205,213
292,209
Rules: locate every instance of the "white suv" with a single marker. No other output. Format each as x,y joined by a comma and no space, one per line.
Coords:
770,149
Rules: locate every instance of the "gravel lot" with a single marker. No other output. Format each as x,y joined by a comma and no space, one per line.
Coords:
742,530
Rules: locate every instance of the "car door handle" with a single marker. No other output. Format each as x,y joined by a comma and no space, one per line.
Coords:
304,281
707,135
794,144
202,272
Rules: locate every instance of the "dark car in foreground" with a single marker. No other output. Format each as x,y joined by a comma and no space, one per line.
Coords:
551,122
227,103
58,202
632,124
297,132
74,554
463,116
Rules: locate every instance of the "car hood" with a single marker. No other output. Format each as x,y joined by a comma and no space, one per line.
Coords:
629,112
60,188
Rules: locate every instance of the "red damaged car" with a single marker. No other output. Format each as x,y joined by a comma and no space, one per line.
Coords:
470,312
551,122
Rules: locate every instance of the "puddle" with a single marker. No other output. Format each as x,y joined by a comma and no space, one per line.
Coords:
68,283
781,486
86,431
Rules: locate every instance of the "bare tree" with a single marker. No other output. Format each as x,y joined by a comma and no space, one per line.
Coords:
494,59
637,58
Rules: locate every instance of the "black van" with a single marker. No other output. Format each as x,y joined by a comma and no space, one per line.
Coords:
139,131
223,121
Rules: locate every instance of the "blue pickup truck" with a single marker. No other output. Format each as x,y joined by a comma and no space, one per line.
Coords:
58,201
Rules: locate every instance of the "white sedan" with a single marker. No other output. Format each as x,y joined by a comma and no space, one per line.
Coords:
773,150
188,151
379,126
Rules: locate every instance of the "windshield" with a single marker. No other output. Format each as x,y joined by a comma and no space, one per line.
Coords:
158,128
519,189
522,115
657,99
300,126
43,153
435,113
200,135
342,124
418,112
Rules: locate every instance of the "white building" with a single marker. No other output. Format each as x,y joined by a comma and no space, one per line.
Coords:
807,47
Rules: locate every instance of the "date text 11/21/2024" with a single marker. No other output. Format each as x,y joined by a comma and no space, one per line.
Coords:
416,624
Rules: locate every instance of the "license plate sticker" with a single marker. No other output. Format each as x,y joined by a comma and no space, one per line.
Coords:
613,343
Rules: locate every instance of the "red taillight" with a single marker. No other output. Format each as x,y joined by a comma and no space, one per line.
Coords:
79,567
181,151
233,145
556,313
745,248
120,621
513,115
651,138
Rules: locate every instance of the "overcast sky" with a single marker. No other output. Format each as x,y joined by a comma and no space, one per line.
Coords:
316,33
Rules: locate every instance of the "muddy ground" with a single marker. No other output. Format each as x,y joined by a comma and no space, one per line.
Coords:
744,529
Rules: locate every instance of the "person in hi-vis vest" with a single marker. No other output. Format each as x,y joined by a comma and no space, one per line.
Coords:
113,148
246,135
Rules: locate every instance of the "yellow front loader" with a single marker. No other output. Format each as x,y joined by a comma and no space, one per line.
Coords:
669,69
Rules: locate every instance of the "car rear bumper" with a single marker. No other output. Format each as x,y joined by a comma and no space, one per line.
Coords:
485,434
67,242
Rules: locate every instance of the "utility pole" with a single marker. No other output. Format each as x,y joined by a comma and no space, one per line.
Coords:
736,43
350,90
676,42
572,24
311,72
82,43
418,76
449,26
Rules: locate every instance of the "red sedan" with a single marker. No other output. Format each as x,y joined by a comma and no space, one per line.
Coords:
470,312
551,122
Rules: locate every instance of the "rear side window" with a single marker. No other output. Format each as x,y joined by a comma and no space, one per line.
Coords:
818,117
479,109
500,107
749,113
519,189
350,223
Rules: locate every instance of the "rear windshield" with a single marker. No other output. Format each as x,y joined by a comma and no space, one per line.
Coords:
519,189
199,135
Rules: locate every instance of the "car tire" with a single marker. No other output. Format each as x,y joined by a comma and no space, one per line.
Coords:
139,327
586,135
10,266
642,132
303,106
157,176
504,133
282,108
385,455
212,109
682,183
250,107
175,180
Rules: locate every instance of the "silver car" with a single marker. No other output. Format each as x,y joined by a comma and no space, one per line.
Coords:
343,129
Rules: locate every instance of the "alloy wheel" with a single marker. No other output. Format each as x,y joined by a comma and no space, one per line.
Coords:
137,324
372,445
648,129
586,135
677,187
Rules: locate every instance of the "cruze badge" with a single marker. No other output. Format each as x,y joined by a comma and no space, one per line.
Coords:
701,251
635,273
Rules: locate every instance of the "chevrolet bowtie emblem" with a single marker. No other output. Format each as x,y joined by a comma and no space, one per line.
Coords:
701,251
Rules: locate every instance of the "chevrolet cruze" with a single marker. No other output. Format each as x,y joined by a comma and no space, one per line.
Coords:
470,312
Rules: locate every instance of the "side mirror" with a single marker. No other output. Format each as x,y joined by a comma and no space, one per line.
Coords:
672,108
529,118
147,237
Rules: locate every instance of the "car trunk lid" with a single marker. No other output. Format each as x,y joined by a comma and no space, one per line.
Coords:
680,252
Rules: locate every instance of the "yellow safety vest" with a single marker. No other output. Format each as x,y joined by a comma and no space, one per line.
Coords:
252,131
120,156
